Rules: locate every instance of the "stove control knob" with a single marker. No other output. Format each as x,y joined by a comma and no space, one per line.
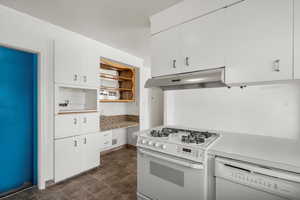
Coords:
156,145
150,143
144,141
163,146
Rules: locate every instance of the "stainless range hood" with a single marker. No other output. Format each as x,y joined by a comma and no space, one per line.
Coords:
197,79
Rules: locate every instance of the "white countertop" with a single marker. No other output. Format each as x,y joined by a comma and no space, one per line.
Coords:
268,151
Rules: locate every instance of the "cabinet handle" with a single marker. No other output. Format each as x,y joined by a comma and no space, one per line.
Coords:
75,121
85,79
75,77
85,120
85,140
187,62
174,63
276,65
75,143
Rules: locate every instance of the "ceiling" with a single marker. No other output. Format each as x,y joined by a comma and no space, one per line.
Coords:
123,24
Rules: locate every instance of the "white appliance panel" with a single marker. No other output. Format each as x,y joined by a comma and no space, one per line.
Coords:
165,177
227,190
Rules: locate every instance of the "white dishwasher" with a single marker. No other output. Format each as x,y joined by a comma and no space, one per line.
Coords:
237,180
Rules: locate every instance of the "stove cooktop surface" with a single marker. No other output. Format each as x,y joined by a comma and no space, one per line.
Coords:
183,136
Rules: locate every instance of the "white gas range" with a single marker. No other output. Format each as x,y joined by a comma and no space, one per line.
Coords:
172,163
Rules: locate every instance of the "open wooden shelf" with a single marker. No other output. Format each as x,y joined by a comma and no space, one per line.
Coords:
118,78
114,89
111,65
125,77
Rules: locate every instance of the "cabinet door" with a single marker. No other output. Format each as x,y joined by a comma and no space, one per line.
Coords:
67,162
91,153
107,139
203,42
89,123
120,135
259,41
68,62
66,126
89,72
297,40
165,51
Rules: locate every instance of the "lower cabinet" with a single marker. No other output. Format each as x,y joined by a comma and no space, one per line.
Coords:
106,139
76,154
113,138
119,137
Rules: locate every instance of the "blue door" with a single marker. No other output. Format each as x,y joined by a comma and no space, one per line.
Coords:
18,122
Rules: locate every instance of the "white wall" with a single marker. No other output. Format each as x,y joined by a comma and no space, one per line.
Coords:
16,26
272,110
156,107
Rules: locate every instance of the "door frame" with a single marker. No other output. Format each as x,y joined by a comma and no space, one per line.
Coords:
40,47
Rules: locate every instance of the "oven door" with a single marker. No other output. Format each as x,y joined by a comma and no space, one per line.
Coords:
163,177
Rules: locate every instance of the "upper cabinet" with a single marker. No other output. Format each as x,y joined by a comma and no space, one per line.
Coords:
253,39
259,36
75,63
68,61
90,69
297,40
166,57
203,43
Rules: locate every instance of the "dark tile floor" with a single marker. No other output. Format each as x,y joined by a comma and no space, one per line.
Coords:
114,180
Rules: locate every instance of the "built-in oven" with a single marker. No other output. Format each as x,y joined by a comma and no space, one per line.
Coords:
164,177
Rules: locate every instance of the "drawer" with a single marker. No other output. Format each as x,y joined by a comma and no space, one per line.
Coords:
89,123
67,125
106,139
107,144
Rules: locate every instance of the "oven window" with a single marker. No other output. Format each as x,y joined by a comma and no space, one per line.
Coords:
167,173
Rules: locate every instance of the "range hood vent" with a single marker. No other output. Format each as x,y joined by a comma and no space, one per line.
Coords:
198,79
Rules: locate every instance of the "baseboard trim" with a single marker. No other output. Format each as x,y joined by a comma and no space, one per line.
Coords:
130,146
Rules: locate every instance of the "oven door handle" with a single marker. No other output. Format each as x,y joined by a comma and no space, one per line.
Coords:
178,162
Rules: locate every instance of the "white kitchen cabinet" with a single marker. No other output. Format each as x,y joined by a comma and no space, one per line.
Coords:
68,61
89,123
67,125
166,57
106,139
119,136
203,43
75,155
90,151
76,63
259,41
67,160
297,40
90,69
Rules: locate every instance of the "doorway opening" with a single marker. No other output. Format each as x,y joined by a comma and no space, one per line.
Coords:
18,117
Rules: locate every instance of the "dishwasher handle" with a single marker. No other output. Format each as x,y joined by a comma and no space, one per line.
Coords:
172,160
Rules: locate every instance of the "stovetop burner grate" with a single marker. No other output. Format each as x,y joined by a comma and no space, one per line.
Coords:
164,132
189,136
